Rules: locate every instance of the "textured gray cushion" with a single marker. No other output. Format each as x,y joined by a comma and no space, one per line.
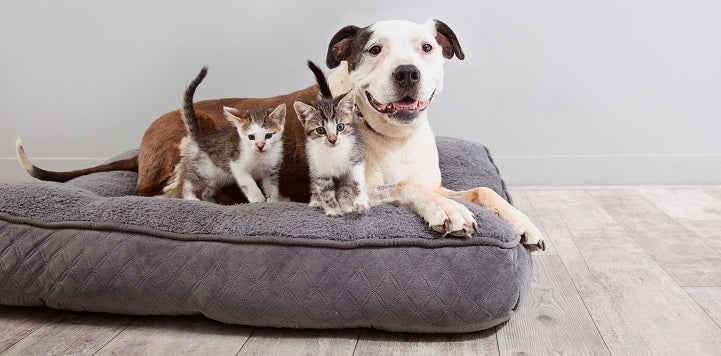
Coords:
91,245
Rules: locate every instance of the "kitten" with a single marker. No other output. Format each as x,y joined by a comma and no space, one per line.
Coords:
250,149
334,150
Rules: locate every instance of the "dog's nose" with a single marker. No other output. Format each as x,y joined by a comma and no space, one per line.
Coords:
406,75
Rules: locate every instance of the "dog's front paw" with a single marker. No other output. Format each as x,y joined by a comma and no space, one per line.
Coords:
449,217
531,237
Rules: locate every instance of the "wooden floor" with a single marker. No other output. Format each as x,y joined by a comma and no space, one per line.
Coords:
627,271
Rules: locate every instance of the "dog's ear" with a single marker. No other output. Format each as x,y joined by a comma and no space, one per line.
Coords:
447,39
339,48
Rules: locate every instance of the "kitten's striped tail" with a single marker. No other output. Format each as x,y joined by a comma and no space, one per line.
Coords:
188,113
320,78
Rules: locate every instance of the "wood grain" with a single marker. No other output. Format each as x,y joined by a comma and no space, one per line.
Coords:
281,342
72,334
697,210
709,298
177,336
637,307
684,255
18,322
552,319
373,342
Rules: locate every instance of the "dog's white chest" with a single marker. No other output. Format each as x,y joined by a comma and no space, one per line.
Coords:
391,160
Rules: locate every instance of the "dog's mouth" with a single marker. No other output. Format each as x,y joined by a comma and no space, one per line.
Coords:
406,104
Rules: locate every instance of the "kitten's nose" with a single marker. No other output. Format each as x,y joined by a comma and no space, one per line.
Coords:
332,140
260,145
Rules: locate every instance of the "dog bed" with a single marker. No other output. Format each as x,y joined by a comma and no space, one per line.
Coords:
92,245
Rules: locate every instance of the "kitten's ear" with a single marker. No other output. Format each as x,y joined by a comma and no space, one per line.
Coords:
347,103
303,111
278,115
232,114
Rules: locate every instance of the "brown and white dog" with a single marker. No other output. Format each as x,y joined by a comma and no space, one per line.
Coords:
394,68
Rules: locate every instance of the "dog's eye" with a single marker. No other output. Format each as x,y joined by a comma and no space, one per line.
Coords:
375,50
320,130
251,137
340,127
268,135
426,48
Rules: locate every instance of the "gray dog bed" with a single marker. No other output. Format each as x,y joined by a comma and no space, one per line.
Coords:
91,245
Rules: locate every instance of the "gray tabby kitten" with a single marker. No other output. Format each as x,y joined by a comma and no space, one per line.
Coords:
250,149
334,150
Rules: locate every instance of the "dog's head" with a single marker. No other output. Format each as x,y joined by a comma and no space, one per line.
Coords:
395,67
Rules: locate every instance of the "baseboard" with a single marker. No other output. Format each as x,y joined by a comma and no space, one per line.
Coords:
610,170
10,170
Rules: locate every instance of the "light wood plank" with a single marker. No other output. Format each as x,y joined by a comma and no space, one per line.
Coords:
637,307
373,342
520,201
714,191
552,319
178,336
684,203
18,322
281,342
709,298
683,254
694,208
73,334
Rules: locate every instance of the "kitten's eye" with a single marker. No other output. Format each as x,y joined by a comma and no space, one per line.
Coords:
251,137
426,48
375,50
268,135
340,127
320,130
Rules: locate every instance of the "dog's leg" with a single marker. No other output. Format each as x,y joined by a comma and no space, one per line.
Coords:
442,214
531,236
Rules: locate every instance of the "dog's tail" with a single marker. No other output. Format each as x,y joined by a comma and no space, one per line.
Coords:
130,164
320,78
187,111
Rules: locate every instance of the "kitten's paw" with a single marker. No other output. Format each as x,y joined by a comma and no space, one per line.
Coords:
334,214
361,207
315,203
256,199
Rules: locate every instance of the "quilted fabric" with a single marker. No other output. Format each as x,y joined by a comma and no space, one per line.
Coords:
85,246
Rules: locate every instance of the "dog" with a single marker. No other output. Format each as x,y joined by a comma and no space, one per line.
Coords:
395,68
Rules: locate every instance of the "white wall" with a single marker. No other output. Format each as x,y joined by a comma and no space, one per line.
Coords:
562,91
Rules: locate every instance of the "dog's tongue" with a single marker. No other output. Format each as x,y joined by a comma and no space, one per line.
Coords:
409,104
406,104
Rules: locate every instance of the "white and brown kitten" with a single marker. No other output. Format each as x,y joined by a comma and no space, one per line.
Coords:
250,149
334,150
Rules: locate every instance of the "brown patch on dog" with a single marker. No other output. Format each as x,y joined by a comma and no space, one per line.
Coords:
159,151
